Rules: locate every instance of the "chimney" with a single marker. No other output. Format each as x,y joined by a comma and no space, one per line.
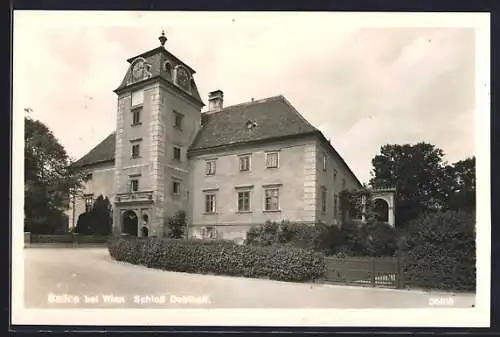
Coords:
215,101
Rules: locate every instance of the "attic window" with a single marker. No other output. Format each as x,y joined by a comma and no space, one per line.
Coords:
251,124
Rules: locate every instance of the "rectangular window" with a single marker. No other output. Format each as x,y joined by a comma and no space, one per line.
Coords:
176,188
209,203
323,199
335,206
136,151
136,116
134,185
334,176
137,98
178,120
177,153
210,167
272,199
272,160
244,163
89,201
244,201
324,161
343,184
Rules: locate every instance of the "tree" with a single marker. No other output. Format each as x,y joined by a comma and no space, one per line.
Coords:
177,225
47,180
418,173
462,185
98,220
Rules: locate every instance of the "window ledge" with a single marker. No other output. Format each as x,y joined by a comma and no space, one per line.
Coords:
136,124
209,213
273,167
137,106
138,157
244,212
272,211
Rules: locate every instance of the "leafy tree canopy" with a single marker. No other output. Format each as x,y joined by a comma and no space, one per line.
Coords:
423,180
48,179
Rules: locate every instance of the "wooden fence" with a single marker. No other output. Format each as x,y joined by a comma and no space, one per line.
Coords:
63,239
375,272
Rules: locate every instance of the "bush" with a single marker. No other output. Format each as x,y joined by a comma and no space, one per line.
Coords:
374,239
317,237
263,235
439,251
219,257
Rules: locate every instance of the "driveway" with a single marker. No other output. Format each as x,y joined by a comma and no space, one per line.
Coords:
90,278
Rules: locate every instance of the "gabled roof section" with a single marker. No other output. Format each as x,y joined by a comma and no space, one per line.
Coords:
269,118
103,152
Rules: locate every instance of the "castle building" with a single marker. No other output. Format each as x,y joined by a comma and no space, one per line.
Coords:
227,167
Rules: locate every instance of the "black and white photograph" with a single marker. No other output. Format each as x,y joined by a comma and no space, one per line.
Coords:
251,168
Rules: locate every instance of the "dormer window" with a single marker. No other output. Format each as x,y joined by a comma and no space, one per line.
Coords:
251,124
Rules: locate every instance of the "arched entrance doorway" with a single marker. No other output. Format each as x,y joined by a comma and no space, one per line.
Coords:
130,223
381,208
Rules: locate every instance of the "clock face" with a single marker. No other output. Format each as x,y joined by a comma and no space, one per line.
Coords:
182,78
138,71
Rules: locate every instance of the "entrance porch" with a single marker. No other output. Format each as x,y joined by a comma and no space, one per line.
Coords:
133,214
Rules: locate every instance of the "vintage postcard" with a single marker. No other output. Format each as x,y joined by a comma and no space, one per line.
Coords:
251,168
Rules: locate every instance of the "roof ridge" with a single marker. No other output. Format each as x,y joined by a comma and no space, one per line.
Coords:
245,104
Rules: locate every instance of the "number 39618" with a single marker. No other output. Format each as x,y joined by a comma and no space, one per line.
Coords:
441,300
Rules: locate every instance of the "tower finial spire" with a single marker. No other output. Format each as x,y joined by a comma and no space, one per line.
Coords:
162,38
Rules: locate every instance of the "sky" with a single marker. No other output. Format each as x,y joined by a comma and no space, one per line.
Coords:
364,83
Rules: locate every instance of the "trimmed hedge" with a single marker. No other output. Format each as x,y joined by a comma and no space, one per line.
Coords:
219,257
438,251
65,238
46,238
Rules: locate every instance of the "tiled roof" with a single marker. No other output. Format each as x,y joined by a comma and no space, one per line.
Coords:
272,117
103,152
